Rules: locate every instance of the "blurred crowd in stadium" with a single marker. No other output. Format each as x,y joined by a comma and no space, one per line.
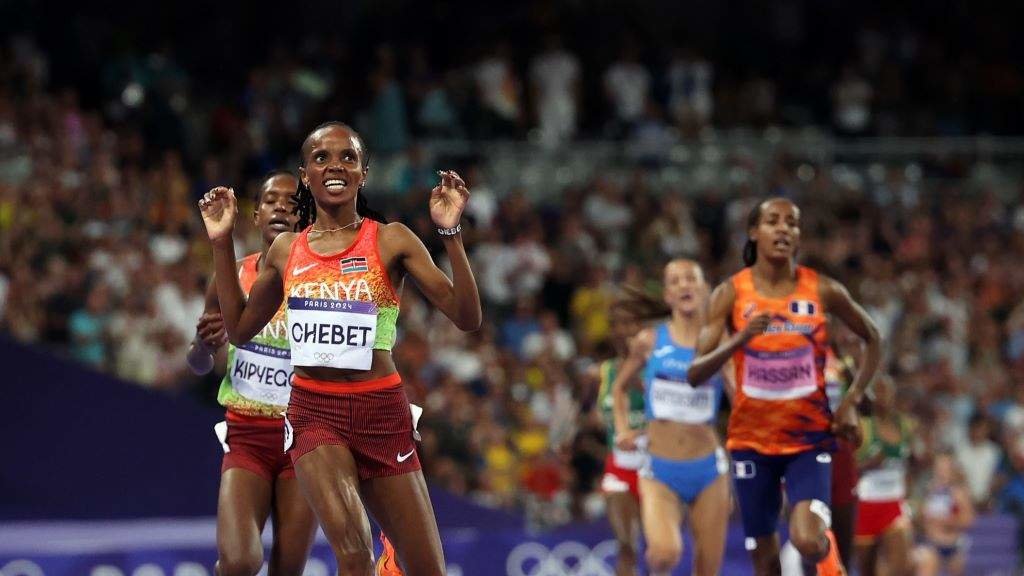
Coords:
103,256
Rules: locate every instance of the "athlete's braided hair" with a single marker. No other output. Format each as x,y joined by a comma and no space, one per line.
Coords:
305,205
277,172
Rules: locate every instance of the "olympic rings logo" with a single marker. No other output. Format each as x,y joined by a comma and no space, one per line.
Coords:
565,559
323,357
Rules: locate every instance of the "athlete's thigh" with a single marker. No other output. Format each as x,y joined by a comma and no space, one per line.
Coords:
243,505
867,556
623,515
926,561
757,479
401,505
662,515
709,522
294,528
328,479
895,548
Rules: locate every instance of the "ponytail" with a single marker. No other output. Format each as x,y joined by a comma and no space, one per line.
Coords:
750,247
641,304
749,252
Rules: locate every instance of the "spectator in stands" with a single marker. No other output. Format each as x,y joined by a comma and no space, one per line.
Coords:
554,82
851,103
550,339
88,327
627,85
979,458
498,91
690,99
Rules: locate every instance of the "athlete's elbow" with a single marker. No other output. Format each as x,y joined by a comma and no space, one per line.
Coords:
872,336
695,374
470,323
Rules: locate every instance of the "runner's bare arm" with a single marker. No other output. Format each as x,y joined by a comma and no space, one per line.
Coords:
242,319
210,335
265,296
640,347
838,302
457,298
714,346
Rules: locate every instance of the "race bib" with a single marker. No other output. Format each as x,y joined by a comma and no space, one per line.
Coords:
332,333
262,373
779,375
883,485
681,402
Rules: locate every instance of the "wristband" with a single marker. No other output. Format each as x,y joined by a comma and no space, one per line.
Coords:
450,231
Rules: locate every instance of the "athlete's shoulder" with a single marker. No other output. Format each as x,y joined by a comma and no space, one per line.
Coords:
395,232
277,256
723,296
829,289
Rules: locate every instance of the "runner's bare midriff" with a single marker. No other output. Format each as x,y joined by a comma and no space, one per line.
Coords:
383,365
678,441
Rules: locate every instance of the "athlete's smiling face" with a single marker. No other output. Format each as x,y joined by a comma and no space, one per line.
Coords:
777,233
334,165
685,288
275,208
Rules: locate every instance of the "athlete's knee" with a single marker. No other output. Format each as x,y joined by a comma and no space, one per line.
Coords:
628,549
354,561
239,563
663,557
810,543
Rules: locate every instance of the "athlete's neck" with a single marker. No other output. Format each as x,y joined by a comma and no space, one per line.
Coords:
685,327
336,216
774,273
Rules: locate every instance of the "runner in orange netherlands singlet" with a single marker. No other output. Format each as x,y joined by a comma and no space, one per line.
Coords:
770,319
780,406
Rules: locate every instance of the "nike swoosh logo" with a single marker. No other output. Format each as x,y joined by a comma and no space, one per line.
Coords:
297,271
664,350
404,457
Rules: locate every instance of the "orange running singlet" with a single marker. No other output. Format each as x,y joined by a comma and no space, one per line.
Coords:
341,306
780,405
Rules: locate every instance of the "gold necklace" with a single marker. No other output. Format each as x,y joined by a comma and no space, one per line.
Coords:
349,225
